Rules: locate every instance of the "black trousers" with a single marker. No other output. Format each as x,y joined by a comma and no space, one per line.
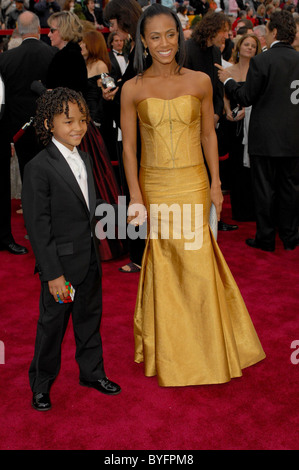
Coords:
86,313
5,192
275,183
26,148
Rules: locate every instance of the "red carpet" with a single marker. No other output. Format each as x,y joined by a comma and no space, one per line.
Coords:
257,411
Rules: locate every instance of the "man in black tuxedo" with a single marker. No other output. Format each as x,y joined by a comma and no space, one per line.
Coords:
118,59
272,88
202,52
19,67
59,203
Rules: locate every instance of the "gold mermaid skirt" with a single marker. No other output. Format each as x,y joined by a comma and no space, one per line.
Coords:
191,325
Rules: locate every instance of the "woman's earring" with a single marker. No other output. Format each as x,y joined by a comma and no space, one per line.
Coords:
145,53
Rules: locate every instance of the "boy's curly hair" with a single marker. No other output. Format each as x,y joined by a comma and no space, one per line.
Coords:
55,102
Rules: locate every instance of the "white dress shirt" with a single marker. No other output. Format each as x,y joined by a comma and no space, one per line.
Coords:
121,61
77,166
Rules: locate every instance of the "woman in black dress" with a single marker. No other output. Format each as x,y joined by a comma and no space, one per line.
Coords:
123,16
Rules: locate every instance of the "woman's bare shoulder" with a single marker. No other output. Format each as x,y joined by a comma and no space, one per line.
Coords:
198,83
132,88
96,68
101,66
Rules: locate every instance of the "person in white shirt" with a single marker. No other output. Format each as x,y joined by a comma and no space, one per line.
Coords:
119,60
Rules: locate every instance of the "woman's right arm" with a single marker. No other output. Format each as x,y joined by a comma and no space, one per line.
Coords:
129,138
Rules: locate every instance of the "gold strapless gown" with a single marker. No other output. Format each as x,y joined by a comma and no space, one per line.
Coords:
191,325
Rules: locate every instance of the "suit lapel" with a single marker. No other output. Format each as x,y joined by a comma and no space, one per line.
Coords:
114,61
90,180
57,160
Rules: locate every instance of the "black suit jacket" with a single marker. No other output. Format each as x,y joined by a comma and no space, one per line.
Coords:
272,88
19,67
129,73
115,68
203,60
57,219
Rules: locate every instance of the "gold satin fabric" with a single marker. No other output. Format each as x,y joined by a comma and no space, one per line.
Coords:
191,325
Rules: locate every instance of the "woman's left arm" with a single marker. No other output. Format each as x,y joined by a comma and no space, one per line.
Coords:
210,144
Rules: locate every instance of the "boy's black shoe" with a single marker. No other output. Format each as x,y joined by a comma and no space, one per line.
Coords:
103,385
41,401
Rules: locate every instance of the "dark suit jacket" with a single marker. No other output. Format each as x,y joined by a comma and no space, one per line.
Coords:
203,60
115,68
68,69
129,73
272,88
19,67
57,219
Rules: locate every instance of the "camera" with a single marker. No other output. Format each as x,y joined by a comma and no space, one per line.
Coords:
108,81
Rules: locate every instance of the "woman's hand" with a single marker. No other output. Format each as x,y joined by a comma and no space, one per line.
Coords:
57,286
229,115
109,95
217,198
240,115
137,213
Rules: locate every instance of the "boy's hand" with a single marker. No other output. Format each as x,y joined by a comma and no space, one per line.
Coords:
57,286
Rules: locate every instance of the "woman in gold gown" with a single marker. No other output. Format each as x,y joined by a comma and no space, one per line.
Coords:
191,325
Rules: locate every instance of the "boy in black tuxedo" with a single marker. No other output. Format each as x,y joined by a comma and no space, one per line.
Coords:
59,204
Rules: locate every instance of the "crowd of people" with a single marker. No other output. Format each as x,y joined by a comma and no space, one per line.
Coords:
187,89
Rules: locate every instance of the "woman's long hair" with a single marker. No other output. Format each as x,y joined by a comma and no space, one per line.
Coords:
96,47
140,63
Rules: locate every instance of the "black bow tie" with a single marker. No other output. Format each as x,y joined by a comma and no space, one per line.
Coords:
118,53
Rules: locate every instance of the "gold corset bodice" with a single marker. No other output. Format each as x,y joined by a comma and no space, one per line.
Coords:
170,132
